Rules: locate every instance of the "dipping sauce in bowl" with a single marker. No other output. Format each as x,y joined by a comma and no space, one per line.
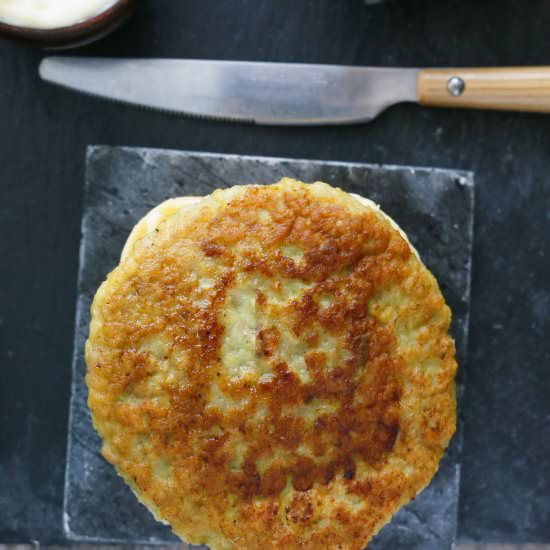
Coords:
61,23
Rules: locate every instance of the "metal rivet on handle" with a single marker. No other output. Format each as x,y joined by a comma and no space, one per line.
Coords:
456,86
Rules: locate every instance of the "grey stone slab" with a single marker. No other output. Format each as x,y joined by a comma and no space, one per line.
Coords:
435,207
503,547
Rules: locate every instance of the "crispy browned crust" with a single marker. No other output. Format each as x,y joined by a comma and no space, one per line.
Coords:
312,444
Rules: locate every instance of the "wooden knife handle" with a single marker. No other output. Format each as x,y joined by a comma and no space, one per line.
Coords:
508,89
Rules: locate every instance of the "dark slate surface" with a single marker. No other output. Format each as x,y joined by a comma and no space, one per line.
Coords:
434,207
505,487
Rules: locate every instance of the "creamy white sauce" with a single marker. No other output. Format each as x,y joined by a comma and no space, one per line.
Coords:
50,14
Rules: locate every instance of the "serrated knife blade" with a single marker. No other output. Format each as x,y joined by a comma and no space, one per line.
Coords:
296,94
263,93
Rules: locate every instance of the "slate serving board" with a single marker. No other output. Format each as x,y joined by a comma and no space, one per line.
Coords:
435,208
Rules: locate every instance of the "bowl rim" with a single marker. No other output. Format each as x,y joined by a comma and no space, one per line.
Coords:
81,27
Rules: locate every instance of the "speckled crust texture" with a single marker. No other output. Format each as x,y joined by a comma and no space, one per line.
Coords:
272,368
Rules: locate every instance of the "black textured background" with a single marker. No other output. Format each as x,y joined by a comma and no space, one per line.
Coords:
505,494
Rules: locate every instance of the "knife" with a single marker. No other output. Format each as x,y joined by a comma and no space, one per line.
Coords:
295,94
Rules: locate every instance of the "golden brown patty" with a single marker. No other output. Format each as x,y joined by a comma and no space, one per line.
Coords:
271,368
